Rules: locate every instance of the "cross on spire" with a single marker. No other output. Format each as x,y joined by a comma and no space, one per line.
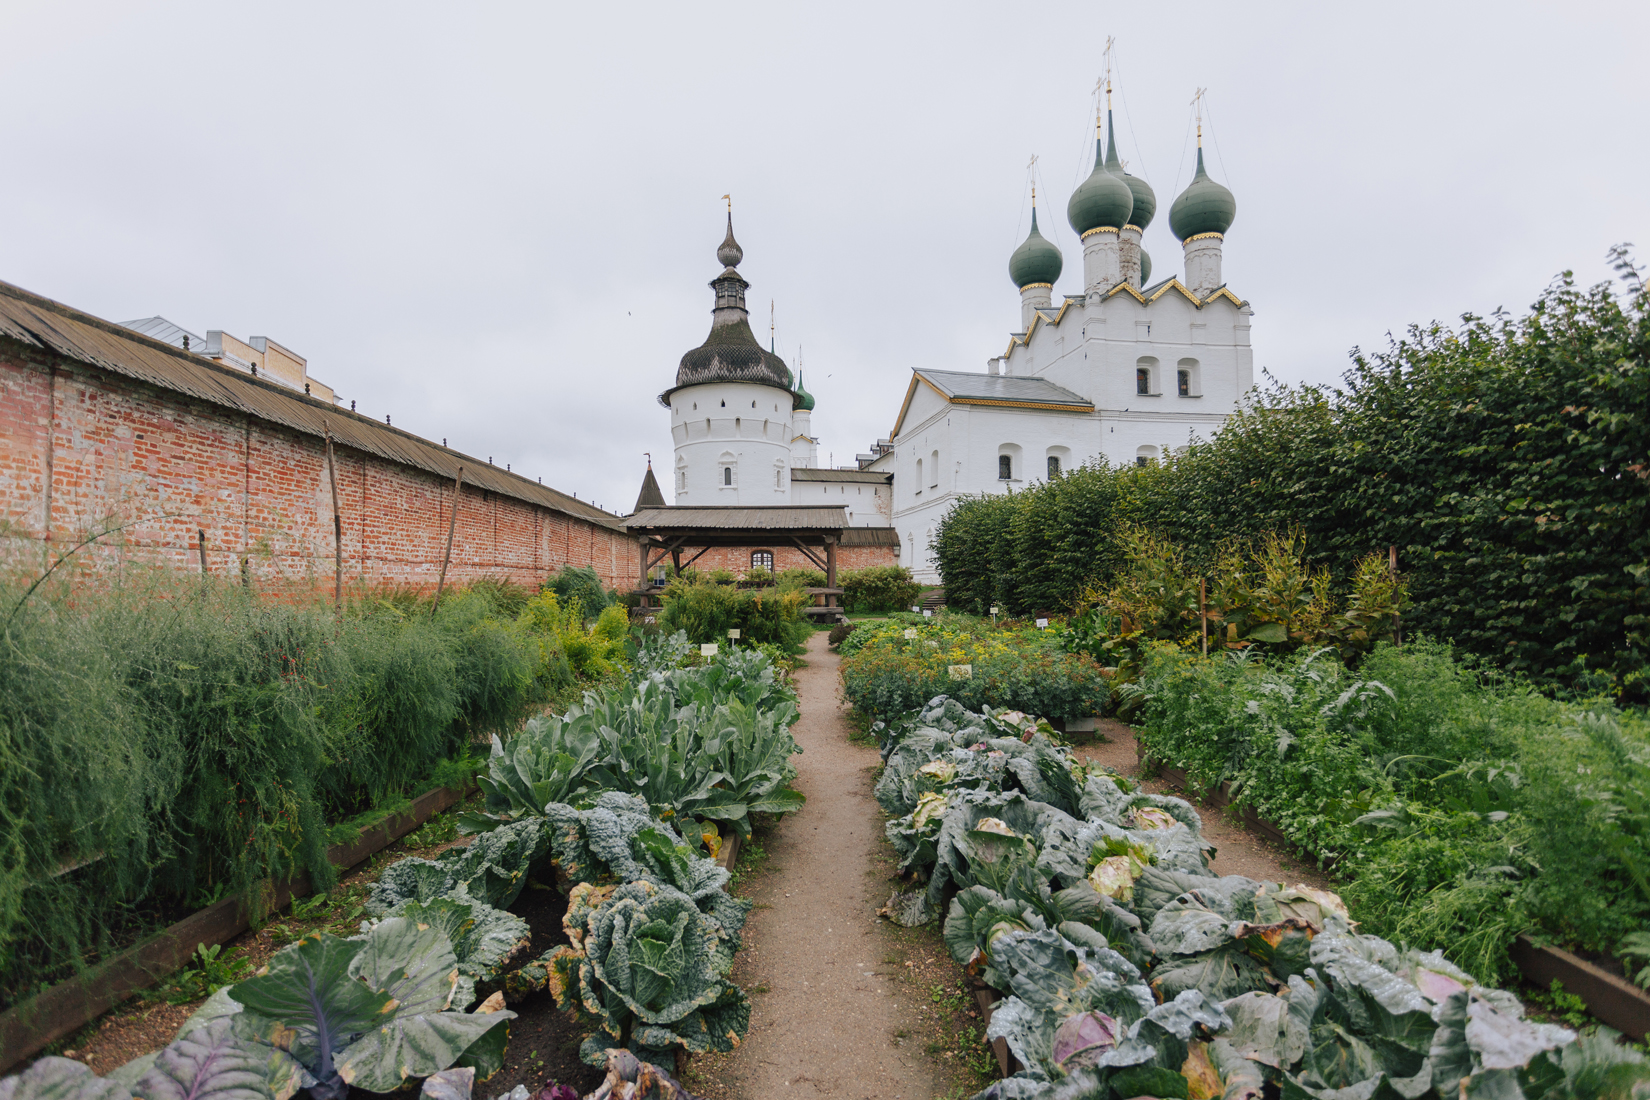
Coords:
1031,170
1197,106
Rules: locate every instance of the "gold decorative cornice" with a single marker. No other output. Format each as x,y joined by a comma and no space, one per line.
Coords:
1019,404
1033,286
1204,237
1105,229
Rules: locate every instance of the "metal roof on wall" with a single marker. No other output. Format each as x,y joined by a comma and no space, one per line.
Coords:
966,385
862,477
42,323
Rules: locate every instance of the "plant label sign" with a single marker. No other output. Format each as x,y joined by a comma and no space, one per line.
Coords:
1042,624
960,672
707,649
931,643
993,609
927,614
910,633
733,634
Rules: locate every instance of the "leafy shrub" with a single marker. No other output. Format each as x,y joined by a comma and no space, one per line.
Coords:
800,578
839,633
707,611
576,584
888,673
1261,597
879,588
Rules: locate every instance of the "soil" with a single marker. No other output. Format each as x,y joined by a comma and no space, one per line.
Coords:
1237,851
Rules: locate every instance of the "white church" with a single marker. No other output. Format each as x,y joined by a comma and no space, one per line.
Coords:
1122,371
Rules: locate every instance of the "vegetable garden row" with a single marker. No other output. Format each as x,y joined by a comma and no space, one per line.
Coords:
622,802
1128,968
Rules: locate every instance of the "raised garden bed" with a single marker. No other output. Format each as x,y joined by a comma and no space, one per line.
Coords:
1610,998
65,1008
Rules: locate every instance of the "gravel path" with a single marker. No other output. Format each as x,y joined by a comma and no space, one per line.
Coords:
832,1019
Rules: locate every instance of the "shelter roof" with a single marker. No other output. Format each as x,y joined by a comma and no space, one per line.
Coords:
1014,391
42,323
782,517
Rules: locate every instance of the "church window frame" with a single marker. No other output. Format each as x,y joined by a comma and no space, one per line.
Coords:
1146,377
1005,467
1189,378
762,559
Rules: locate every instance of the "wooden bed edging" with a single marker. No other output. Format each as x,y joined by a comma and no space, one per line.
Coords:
987,998
1610,998
1614,1000
70,1005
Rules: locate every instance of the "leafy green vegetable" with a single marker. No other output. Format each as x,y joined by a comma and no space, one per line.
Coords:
492,869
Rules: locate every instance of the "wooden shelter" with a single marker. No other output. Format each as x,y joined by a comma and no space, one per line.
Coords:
669,531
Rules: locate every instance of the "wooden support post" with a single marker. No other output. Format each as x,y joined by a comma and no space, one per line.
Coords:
1203,610
641,547
1397,619
337,528
830,568
200,536
452,524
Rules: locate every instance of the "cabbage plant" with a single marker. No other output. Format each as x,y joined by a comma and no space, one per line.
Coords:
647,971
492,869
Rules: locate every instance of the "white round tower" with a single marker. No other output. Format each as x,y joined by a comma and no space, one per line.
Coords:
731,408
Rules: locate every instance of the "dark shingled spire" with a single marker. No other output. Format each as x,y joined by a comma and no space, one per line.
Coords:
650,496
730,353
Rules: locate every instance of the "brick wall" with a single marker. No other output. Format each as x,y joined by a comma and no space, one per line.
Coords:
88,449
737,559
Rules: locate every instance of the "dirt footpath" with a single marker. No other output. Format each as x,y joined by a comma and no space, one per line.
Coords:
833,1017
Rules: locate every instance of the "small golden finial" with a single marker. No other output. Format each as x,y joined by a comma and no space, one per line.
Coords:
1111,44
1197,105
1099,111
1031,170
729,197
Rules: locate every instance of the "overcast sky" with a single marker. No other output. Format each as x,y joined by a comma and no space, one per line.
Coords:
496,222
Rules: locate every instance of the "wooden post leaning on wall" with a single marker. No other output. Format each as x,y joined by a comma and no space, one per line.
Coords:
200,544
452,524
337,528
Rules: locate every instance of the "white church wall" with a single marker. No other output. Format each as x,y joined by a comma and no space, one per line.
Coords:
732,444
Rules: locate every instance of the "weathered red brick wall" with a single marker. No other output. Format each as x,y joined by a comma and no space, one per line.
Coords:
81,450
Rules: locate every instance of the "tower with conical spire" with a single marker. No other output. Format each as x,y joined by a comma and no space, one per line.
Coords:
731,408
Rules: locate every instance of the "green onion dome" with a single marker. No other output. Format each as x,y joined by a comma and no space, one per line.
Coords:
1145,199
1103,201
1145,268
804,399
1036,260
1204,207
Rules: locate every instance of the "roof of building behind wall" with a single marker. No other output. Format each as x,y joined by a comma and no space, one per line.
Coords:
40,322
966,387
852,477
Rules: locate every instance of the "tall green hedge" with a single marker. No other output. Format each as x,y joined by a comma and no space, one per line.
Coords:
1507,460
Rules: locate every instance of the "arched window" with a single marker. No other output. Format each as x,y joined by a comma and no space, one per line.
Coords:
919,476
1187,381
727,475
1053,466
1142,380
1005,467
1145,456
762,559
934,470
